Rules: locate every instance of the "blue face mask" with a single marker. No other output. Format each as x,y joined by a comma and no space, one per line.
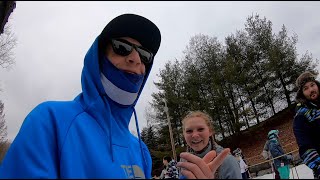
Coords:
125,81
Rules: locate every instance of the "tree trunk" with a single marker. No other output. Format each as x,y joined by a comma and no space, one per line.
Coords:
286,92
252,104
266,90
243,109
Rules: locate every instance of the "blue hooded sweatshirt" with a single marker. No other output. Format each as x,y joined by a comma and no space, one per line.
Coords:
84,138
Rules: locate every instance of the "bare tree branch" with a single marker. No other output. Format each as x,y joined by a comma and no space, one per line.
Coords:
7,42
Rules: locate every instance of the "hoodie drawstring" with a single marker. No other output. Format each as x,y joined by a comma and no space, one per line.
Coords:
110,133
138,132
110,128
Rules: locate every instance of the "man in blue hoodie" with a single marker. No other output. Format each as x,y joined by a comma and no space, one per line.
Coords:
89,137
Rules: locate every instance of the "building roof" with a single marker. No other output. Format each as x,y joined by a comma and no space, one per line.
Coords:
6,8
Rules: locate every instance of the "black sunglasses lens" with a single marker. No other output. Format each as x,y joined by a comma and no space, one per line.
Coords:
124,48
121,48
146,56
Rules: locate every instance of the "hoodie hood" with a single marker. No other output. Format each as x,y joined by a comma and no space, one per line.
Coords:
91,78
94,98
112,116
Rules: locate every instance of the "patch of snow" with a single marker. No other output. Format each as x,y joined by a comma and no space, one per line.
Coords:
299,172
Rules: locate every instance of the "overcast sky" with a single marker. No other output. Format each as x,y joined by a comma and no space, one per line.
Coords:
53,38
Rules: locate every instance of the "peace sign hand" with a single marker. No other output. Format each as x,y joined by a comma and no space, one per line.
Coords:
196,168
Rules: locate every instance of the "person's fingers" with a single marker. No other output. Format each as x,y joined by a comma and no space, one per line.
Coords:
214,165
193,168
188,174
209,156
193,159
197,165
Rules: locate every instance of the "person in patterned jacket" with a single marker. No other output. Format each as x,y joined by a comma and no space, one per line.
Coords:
170,170
306,125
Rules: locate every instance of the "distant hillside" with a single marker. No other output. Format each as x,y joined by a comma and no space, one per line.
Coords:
252,140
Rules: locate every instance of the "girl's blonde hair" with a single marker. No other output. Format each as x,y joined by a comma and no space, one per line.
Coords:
206,117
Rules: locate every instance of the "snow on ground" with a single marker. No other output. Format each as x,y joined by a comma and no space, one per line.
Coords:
303,173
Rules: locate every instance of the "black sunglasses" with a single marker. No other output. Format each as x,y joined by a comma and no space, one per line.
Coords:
124,48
